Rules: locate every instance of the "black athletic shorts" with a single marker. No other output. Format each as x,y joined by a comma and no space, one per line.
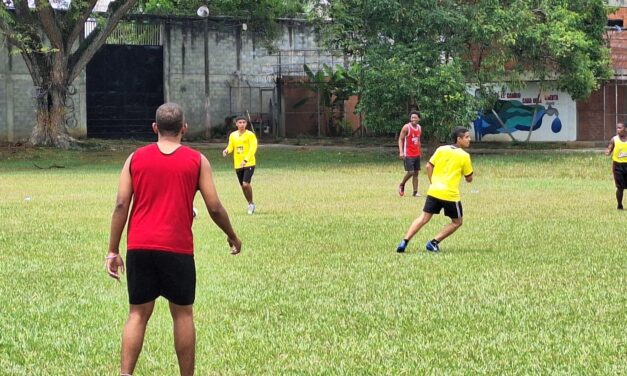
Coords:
245,174
412,164
620,174
150,274
452,209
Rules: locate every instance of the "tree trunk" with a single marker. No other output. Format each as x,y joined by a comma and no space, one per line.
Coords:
51,97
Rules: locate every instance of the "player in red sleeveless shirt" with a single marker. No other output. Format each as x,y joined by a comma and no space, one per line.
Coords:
409,152
161,181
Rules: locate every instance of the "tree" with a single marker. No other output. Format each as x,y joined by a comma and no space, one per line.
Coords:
426,54
54,48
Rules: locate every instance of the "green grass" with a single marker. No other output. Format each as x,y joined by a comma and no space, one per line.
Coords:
535,282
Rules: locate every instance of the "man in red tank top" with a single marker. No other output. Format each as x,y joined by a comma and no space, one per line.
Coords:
161,181
409,152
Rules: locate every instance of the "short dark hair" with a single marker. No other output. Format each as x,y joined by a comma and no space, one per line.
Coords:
241,117
458,132
169,118
415,113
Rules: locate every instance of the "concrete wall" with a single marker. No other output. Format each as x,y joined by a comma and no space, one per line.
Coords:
242,75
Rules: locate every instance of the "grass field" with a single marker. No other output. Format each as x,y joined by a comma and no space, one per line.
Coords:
535,282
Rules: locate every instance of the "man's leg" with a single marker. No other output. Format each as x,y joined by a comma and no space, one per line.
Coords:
133,335
248,192
619,198
416,225
449,229
414,181
184,337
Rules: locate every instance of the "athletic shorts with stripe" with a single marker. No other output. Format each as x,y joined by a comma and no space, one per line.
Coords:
452,209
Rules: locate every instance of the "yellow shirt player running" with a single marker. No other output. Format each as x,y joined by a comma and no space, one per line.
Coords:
243,145
618,150
445,170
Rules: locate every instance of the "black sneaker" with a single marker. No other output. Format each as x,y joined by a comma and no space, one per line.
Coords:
401,247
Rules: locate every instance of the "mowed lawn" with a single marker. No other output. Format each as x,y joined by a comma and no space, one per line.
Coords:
535,282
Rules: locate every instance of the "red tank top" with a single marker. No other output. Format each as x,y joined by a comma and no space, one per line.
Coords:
164,186
412,141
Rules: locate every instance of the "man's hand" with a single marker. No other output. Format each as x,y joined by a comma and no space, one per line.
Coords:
243,164
401,156
225,152
235,244
114,265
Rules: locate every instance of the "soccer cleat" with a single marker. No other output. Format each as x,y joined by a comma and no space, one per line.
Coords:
416,194
251,208
432,247
401,246
401,190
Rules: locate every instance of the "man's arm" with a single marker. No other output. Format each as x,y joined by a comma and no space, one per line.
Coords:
229,148
252,149
114,262
401,141
610,147
217,212
429,170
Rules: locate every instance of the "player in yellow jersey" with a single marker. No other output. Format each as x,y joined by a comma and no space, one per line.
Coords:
445,170
243,145
618,150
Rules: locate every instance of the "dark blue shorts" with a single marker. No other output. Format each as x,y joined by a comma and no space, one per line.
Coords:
150,274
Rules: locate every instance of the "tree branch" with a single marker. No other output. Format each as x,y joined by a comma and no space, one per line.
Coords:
87,49
79,26
49,24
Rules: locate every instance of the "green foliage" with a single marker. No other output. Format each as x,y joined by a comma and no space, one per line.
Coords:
423,53
528,285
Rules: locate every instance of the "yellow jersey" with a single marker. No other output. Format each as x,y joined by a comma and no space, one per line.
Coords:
243,146
619,154
450,163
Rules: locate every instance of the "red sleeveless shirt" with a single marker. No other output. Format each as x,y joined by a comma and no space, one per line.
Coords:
412,141
164,186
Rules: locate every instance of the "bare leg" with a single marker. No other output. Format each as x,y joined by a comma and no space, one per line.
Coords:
417,224
449,229
414,181
408,175
133,335
184,337
248,192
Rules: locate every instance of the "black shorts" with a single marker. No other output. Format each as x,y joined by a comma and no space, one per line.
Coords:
620,174
452,209
150,274
245,174
412,164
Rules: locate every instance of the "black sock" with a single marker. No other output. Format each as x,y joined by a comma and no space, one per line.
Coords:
436,242
406,241
415,193
619,197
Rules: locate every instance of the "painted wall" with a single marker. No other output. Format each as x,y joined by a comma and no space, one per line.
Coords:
555,119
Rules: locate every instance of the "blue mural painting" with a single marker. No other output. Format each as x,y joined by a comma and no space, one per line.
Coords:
516,117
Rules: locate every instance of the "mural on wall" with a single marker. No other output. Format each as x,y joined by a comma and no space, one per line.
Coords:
514,111
516,117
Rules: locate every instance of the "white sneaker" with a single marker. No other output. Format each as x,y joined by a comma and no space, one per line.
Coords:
251,208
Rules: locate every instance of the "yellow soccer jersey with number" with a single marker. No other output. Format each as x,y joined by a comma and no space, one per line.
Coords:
243,146
450,163
619,154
